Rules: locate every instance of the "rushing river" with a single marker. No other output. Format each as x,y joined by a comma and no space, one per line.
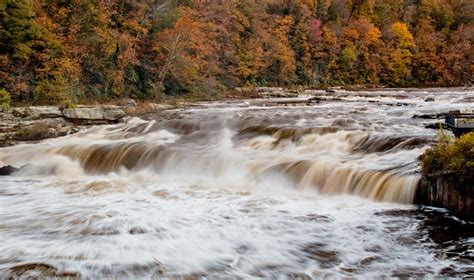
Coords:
241,189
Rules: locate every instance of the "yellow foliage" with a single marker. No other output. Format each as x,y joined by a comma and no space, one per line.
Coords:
373,35
402,35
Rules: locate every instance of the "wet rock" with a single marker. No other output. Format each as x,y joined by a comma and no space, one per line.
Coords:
319,252
314,100
436,126
8,170
38,271
137,230
429,116
469,99
452,191
429,99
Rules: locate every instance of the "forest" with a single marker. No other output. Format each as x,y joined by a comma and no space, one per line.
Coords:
53,51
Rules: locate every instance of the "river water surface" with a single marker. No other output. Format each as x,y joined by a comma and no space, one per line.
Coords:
239,189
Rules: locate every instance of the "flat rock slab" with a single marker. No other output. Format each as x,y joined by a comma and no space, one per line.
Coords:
37,112
95,113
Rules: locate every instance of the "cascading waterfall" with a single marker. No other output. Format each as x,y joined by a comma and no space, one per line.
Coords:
323,159
233,190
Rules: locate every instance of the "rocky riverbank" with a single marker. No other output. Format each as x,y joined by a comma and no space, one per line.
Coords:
33,123
449,190
447,171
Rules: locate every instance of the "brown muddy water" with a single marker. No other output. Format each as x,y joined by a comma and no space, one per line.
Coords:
241,189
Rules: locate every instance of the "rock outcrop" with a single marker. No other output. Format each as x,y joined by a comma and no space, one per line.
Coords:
452,191
40,122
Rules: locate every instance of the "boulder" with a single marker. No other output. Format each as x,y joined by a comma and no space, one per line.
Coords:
7,170
131,103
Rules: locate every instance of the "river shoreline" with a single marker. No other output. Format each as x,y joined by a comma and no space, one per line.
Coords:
449,190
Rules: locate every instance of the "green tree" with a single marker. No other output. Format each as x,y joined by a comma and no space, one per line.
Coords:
18,29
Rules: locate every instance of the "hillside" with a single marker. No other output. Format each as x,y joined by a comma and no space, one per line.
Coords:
53,51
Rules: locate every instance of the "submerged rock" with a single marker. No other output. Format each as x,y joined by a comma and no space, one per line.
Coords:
38,271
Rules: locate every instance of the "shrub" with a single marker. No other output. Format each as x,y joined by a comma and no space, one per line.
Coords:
5,99
68,104
51,91
450,155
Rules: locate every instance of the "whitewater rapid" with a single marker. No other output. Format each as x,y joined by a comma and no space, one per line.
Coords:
241,189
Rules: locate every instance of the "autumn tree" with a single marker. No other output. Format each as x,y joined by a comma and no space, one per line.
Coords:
86,50
19,33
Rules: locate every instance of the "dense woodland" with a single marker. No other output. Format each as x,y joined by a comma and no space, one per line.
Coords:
53,51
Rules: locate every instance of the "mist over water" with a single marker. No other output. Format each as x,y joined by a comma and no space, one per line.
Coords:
234,189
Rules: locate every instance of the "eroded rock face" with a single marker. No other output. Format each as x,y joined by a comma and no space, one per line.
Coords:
452,191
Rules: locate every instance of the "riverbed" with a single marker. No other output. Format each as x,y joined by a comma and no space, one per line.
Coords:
272,188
